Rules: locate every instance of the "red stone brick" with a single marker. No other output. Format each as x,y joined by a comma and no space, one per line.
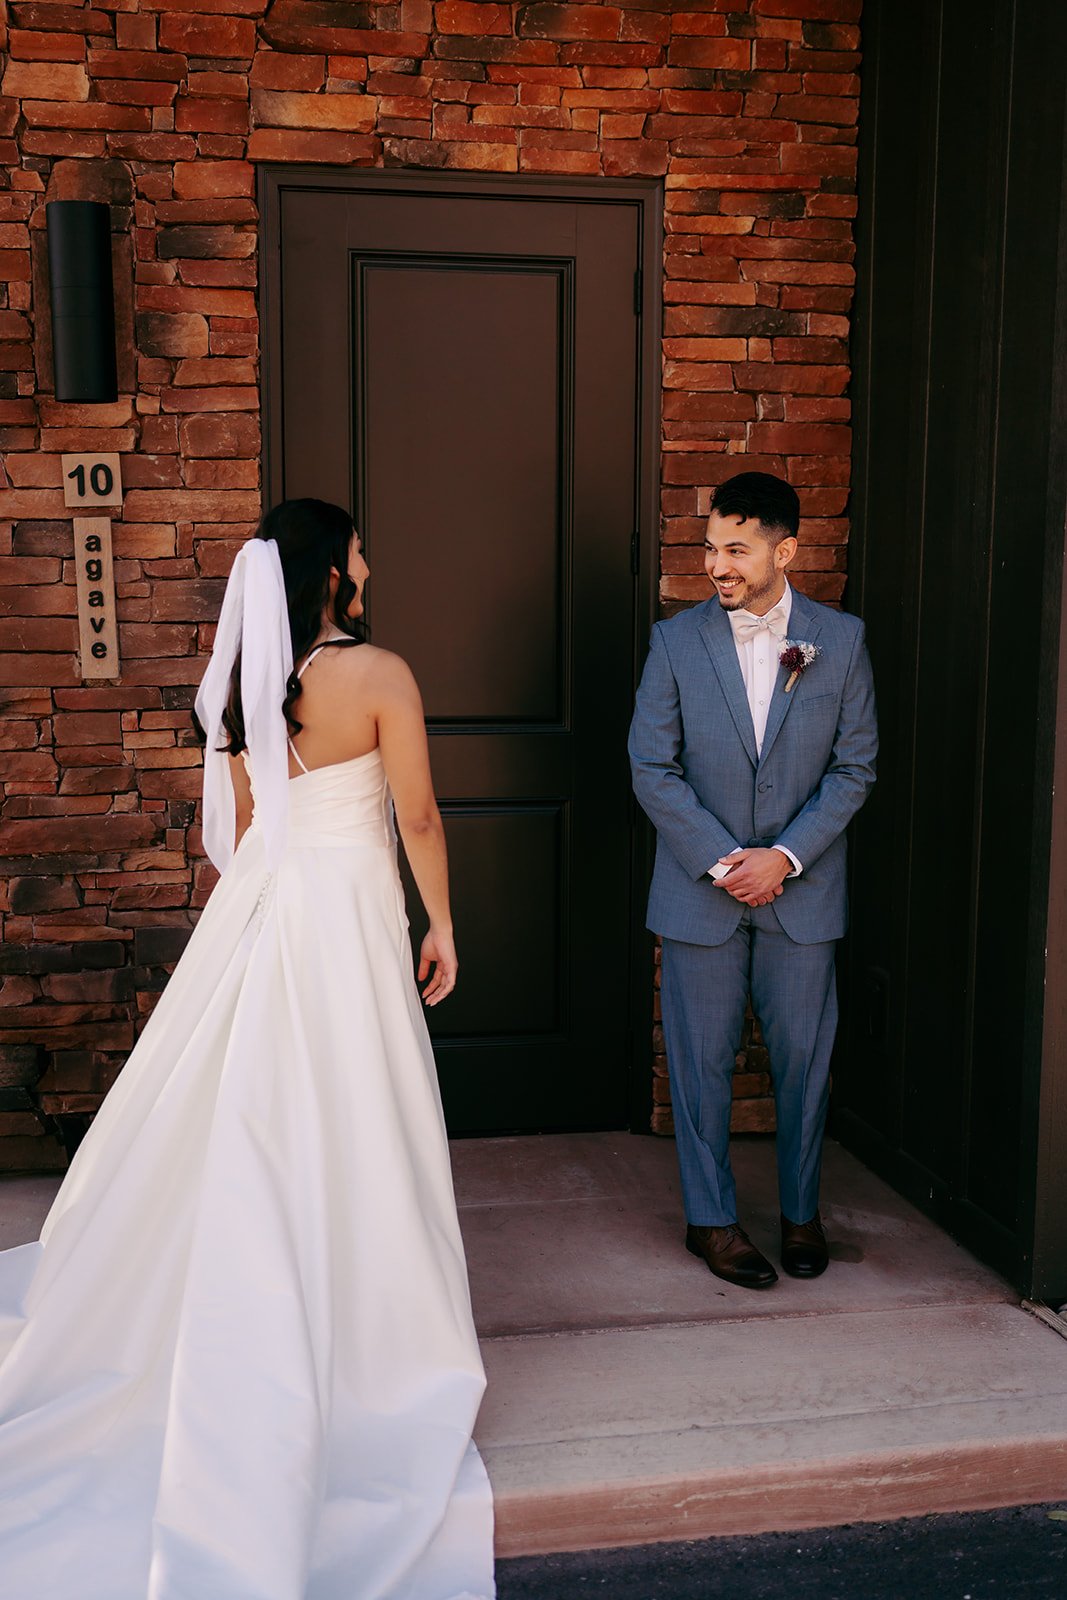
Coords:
220,435
140,64
281,70
63,18
802,439
707,23
100,698
292,25
233,342
733,55
810,10
197,114
135,32
207,211
208,370
225,36
778,377
90,114
236,274
222,474
822,160
152,146
628,157
343,69
144,471
645,26
59,144
24,44
216,84
220,146
221,398
206,243
501,158
151,506
172,334
91,836
481,20
280,109
544,20
603,53
138,639
208,302
199,179
344,149
127,92
42,80
86,727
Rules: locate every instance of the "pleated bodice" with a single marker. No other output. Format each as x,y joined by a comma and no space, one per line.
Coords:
340,805
345,803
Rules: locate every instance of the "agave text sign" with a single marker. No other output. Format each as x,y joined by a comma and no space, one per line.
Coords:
97,631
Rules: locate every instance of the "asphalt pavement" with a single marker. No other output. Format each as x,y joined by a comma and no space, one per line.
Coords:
1018,1554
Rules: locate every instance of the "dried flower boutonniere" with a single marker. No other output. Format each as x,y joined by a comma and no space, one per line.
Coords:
796,657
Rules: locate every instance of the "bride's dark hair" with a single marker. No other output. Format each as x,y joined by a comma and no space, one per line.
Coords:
312,536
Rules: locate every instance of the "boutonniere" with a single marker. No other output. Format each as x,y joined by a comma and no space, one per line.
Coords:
796,657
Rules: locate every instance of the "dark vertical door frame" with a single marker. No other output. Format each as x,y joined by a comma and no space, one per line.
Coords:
1045,1206
1034,1254
647,194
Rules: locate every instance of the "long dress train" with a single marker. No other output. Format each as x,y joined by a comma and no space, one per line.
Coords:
240,1363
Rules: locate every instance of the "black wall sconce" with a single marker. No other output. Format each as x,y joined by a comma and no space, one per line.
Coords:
83,300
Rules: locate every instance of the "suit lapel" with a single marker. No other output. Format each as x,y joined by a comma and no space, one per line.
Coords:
718,637
804,623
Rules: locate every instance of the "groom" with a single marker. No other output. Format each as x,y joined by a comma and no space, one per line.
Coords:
752,746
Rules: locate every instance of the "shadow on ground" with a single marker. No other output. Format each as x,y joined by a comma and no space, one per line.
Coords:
1020,1554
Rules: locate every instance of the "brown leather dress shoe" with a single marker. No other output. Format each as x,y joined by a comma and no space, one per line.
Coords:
731,1255
805,1252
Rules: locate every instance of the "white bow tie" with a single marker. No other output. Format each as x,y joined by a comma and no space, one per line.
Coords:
746,626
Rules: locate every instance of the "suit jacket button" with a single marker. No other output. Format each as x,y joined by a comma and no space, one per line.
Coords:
762,786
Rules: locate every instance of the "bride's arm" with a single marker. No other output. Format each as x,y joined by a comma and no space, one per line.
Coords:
406,756
242,797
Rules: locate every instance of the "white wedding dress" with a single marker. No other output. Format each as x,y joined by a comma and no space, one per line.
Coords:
240,1363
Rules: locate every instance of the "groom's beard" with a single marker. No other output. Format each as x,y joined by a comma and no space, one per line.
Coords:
748,592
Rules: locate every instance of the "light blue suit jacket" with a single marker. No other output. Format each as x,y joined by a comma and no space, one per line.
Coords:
697,775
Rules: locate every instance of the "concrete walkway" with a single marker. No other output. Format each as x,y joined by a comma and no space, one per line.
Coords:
633,1397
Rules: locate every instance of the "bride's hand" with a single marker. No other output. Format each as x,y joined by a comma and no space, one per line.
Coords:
439,951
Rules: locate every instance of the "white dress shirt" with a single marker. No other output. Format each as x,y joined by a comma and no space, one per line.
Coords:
757,657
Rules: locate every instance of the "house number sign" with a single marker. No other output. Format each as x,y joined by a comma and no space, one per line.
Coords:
90,481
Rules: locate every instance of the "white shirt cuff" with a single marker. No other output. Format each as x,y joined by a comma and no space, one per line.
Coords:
718,871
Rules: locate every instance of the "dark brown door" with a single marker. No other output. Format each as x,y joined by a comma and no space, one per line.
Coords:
462,370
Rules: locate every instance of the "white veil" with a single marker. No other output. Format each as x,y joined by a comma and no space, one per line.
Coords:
255,622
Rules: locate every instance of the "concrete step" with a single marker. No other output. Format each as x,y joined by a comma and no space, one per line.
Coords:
633,1397
681,1432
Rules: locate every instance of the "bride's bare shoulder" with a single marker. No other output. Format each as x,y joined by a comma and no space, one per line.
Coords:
382,670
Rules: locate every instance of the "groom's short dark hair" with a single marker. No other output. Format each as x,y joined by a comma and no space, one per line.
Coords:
771,500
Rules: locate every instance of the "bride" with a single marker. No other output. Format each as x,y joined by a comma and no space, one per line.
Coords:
240,1362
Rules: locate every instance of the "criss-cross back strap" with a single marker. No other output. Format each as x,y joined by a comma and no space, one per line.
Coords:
301,669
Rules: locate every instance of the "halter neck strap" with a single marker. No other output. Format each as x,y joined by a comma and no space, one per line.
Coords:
301,669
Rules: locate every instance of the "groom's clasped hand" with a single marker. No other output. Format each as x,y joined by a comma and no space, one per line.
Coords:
755,877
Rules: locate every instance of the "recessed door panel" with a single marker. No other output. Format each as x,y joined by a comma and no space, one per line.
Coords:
463,533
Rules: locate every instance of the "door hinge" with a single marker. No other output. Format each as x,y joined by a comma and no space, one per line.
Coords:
639,290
